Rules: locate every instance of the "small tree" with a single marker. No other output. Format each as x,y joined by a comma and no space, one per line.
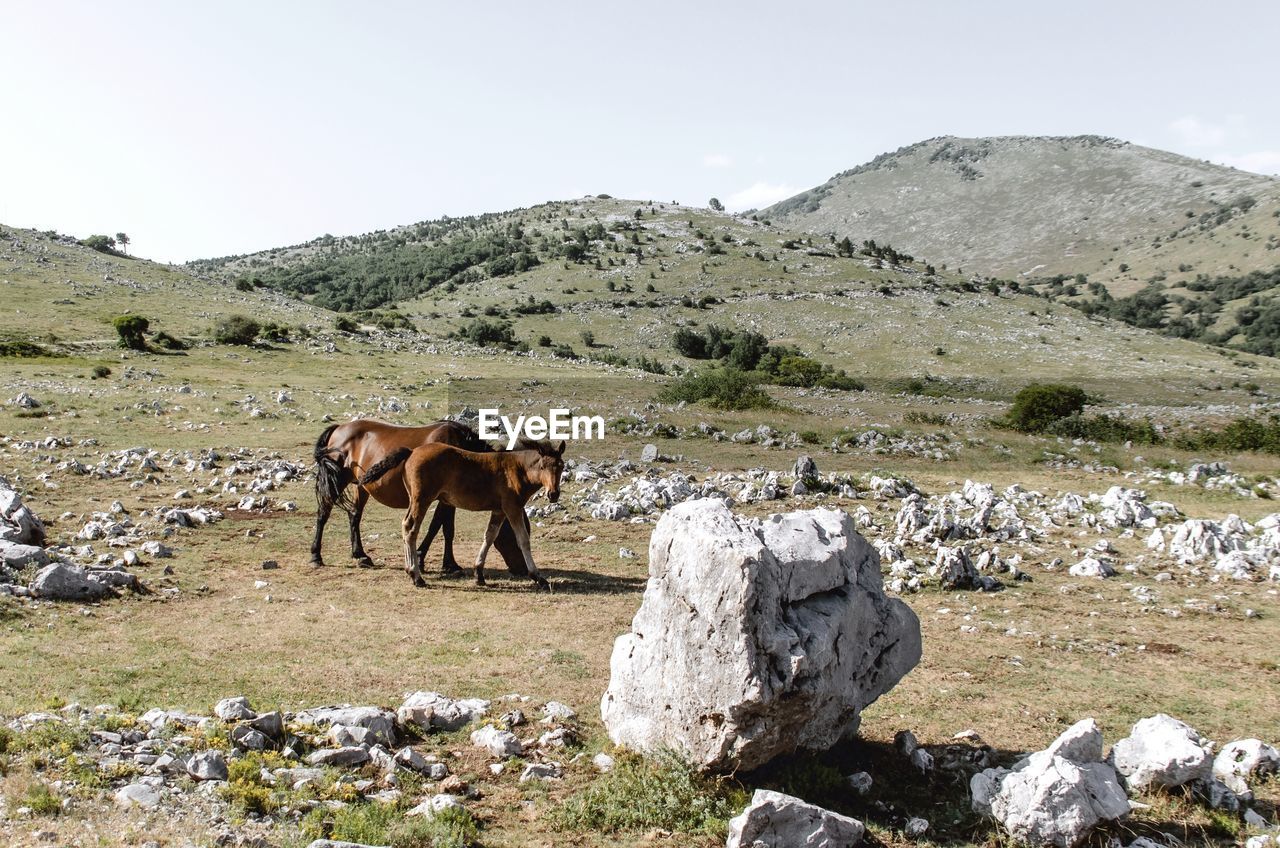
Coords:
588,338
1038,405
236,330
131,329
102,244
123,240
715,204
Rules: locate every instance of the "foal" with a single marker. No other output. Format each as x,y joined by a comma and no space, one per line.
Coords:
499,483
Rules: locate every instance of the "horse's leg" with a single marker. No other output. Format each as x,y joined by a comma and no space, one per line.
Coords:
323,509
357,546
520,527
442,520
490,533
409,527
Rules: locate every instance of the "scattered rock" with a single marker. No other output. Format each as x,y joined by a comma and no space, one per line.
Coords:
1161,751
498,742
1049,799
774,820
207,765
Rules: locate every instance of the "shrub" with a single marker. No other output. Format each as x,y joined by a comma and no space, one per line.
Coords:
1104,428
544,341
1038,405
236,330
721,388
244,285
168,342
588,338
102,244
132,330
19,349
488,333
101,372
343,324
662,792
42,800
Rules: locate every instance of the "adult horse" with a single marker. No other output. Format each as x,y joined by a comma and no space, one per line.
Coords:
499,483
346,451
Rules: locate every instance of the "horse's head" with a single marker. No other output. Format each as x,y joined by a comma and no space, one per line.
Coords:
551,468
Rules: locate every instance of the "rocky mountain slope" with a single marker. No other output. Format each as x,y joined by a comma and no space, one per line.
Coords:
1026,207
612,279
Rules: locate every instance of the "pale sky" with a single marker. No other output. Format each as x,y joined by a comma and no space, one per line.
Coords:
218,128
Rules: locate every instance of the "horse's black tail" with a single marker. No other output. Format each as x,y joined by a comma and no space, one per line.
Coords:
382,466
331,476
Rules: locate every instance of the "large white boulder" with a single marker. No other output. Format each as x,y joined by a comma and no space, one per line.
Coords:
1161,751
755,638
1243,760
1055,796
774,820
60,581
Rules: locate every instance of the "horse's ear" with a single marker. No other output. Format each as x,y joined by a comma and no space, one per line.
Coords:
560,450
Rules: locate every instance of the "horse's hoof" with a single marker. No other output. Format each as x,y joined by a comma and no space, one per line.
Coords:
364,562
453,570
420,584
541,583
317,563
480,581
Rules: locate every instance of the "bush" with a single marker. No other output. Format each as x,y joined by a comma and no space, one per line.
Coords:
102,244
640,795
721,388
131,329
244,286
236,330
1104,428
1243,434
488,333
101,372
1038,405
343,324
168,342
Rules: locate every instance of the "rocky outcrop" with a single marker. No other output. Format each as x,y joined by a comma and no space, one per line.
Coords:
755,638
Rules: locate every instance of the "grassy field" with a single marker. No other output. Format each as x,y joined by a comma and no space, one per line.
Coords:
1017,666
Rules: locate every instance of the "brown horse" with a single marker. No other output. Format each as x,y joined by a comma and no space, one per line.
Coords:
345,451
499,483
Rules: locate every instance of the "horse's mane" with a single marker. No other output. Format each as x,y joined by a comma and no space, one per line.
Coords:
543,446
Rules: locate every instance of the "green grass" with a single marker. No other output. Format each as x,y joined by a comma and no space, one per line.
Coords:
661,792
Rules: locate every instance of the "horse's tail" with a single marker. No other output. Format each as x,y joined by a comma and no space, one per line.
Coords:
392,460
331,483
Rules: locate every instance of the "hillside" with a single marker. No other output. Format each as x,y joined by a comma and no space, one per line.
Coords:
628,273
1022,207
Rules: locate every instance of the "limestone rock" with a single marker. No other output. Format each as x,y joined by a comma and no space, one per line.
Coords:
774,820
1055,796
755,638
1161,751
208,765
1243,760
498,742
62,582
138,795
428,710
234,709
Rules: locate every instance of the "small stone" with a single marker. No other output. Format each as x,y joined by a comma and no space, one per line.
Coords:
234,709
269,565
345,756
916,827
603,763
500,743
138,795
208,765
860,782
541,771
